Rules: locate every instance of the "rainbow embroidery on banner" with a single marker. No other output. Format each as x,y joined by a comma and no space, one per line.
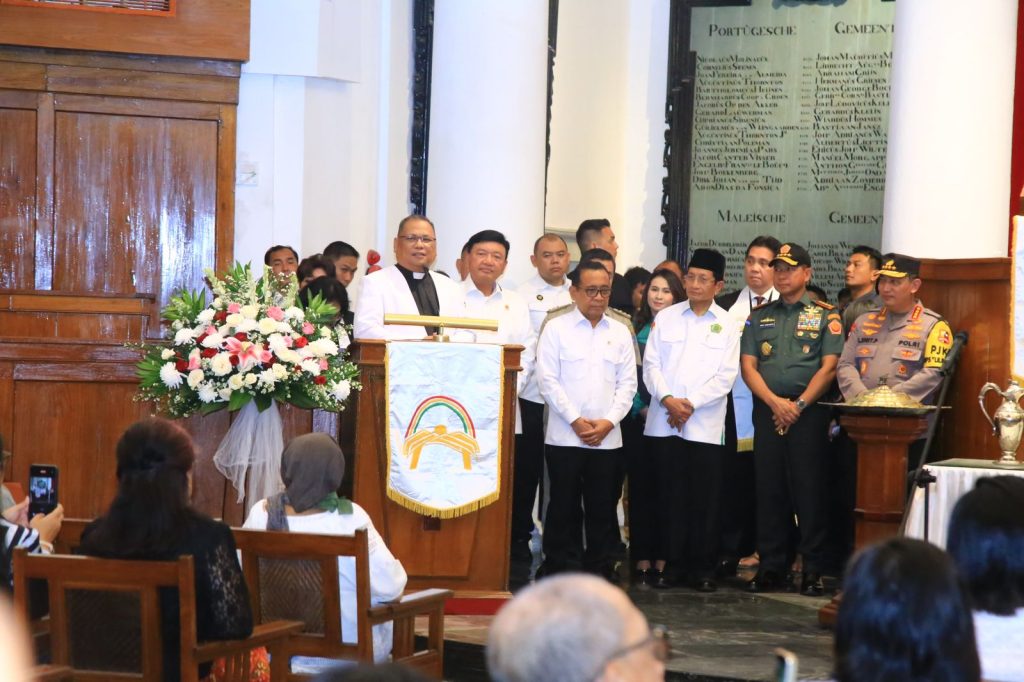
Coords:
444,426
464,442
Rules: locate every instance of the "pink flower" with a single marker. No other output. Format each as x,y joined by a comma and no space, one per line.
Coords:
234,307
210,330
323,364
249,354
275,313
194,359
307,328
288,341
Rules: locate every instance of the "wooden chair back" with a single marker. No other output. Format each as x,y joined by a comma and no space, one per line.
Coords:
295,576
105,618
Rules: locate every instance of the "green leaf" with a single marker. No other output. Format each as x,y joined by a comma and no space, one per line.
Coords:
302,400
263,401
210,408
238,400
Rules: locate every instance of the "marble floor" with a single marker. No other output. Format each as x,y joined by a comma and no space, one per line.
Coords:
724,636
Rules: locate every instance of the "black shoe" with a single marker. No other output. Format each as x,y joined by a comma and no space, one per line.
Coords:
643,577
766,581
811,585
726,568
661,581
705,585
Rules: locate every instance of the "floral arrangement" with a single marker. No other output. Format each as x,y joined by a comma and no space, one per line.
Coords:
253,343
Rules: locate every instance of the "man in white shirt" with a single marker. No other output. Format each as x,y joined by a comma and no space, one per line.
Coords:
587,372
408,287
690,364
546,290
739,513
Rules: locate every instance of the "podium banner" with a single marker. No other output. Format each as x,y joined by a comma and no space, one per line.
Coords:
444,428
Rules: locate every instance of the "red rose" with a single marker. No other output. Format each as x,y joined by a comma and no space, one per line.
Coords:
208,352
234,360
181,365
242,336
320,379
301,342
220,316
199,339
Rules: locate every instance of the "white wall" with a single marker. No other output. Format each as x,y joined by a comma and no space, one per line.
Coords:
607,128
323,125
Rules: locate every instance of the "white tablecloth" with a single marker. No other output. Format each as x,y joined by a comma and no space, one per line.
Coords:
955,477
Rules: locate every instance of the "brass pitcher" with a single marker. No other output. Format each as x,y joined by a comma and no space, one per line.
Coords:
1008,420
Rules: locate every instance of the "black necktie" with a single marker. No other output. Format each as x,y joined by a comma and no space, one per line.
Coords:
759,300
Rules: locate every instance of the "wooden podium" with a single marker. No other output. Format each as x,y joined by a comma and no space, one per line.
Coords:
468,554
882,441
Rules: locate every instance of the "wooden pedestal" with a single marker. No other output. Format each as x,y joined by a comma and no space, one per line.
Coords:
882,442
468,554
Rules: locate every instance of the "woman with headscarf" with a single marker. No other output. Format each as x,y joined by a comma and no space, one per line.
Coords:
312,468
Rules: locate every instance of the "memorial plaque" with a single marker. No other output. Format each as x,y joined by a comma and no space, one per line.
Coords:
791,112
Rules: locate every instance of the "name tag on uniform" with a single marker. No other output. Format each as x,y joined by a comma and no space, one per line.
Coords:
767,323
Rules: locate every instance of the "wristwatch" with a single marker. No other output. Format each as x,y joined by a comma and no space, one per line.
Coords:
801,404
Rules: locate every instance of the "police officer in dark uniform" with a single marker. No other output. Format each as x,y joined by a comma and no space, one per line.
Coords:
788,358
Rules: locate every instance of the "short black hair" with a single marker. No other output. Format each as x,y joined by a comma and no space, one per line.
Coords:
278,247
636,276
311,263
330,290
486,236
873,254
575,275
548,235
765,241
585,233
596,254
415,216
814,288
905,616
986,540
336,250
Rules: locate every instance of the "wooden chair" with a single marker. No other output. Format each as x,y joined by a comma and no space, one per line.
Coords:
70,536
295,576
104,619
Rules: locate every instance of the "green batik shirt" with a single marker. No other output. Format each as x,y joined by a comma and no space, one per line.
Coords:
789,342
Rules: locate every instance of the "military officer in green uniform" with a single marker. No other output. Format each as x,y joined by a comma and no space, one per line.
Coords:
788,356
903,344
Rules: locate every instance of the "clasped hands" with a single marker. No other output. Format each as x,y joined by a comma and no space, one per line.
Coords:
679,411
784,413
592,431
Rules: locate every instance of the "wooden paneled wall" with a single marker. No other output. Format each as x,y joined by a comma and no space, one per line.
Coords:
116,190
212,29
974,296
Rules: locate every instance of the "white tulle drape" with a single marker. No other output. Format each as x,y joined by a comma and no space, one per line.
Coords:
253,446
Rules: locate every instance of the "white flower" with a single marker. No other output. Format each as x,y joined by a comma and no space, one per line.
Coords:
195,377
280,371
250,379
311,366
276,343
250,311
218,303
213,341
225,394
234,319
284,327
235,382
207,393
343,339
166,354
246,326
221,364
268,377
177,324
341,389
183,336
289,356
267,325
294,313
325,332
323,347
206,317
170,376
